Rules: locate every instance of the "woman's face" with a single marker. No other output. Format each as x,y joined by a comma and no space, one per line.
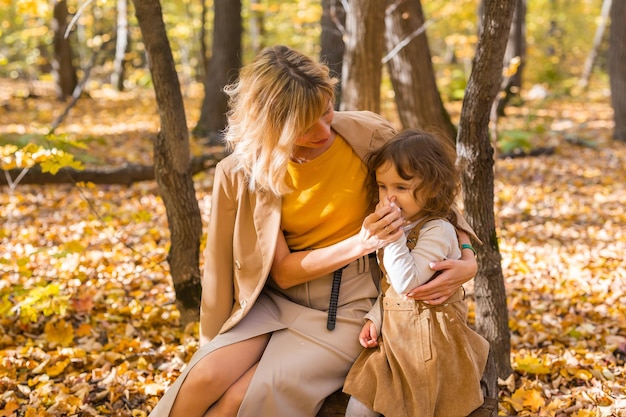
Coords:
393,188
319,134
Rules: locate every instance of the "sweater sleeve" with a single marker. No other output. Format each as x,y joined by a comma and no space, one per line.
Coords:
409,269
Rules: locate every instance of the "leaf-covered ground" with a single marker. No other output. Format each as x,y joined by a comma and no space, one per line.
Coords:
88,325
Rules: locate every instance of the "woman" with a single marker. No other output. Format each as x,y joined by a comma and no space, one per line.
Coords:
288,210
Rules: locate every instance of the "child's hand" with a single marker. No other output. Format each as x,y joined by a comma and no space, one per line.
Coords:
368,336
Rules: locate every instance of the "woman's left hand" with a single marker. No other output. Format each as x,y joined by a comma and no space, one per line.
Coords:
454,274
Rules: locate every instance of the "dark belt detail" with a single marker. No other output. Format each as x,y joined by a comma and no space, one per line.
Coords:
334,298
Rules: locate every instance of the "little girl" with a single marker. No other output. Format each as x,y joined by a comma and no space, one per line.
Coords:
422,360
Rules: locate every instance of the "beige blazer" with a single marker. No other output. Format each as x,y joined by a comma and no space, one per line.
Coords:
243,228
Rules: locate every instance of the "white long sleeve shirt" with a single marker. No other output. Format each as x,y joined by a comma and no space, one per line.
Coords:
409,269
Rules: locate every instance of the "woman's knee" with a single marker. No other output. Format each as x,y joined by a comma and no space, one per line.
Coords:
206,375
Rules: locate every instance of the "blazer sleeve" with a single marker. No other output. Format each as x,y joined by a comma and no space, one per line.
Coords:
217,279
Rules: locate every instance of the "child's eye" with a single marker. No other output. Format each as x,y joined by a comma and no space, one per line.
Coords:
381,187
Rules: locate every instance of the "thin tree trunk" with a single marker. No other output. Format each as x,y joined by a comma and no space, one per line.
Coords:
515,50
362,67
257,28
617,68
597,41
475,154
223,68
62,66
332,46
121,46
411,69
172,163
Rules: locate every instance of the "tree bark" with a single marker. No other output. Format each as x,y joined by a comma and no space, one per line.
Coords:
63,69
476,158
256,23
172,163
516,47
583,82
617,67
332,45
121,46
411,69
223,68
362,67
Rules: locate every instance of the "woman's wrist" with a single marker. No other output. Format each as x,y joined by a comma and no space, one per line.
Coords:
468,246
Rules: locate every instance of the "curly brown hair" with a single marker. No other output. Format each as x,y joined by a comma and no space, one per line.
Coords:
417,153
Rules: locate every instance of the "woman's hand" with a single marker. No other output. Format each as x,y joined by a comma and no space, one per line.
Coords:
454,274
369,335
384,225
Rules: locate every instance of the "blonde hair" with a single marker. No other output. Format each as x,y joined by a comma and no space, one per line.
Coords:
278,96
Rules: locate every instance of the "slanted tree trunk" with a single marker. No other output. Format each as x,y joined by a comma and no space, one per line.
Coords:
121,46
411,69
331,40
362,67
63,69
583,82
172,163
476,157
223,68
617,67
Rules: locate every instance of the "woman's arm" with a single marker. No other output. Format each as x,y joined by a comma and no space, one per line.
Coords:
455,273
293,268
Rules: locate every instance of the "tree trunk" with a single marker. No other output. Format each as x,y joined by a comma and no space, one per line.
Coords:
257,26
63,69
223,69
583,82
332,46
121,46
516,48
411,69
362,67
617,67
172,163
475,154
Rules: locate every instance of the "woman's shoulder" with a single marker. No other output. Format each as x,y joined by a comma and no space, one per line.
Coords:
364,130
360,118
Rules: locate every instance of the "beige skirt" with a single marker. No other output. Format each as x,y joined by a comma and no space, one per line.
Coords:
303,362
428,361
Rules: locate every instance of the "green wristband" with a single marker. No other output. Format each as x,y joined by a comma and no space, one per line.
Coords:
468,246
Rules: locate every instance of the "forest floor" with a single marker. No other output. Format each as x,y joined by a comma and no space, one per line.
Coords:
88,325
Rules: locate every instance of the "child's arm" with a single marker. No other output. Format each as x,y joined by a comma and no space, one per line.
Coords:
409,269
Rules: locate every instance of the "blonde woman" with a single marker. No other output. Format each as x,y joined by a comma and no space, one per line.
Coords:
288,277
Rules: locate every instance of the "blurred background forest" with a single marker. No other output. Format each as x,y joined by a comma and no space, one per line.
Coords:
88,319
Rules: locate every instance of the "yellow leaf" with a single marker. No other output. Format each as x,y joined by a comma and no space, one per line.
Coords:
83,330
57,368
59,332
527,399
9,408
532,365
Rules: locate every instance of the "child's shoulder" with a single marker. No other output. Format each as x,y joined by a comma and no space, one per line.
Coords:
438,225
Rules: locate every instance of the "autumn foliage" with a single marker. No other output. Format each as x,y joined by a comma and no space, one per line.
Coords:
88,325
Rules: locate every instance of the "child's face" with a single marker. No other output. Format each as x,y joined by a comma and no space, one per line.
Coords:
392,187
